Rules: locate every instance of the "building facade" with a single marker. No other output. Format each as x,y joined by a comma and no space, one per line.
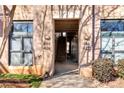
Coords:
41,35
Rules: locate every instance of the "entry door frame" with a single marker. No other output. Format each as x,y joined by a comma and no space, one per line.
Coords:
77,37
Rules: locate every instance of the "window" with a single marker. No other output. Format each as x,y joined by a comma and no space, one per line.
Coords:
112,38
112,25
25,26
20,43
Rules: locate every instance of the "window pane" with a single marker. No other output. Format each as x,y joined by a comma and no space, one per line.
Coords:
30,27
112,25
27,44
24,27
119,56
108,55
16,59
20,27
106,44
119,44
16,44
27,59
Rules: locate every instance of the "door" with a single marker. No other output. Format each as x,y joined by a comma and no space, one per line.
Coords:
112,39
20,44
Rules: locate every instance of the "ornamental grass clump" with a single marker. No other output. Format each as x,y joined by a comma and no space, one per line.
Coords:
102,70
120,68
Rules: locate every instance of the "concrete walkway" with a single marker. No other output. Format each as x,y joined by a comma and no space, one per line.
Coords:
70,80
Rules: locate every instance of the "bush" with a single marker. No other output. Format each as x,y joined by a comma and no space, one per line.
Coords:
102,70
120,68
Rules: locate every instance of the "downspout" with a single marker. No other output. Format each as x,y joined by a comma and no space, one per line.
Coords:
93,32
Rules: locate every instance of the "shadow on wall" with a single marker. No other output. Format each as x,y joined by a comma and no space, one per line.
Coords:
3,68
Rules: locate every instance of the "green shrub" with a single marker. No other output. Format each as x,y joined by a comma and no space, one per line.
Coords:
120,68
102,70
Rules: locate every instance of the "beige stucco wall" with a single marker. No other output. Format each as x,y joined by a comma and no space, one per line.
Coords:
43,35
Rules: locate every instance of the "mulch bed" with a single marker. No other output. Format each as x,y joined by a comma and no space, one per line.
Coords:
14,83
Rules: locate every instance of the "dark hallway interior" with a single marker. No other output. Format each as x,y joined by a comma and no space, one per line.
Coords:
66,46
